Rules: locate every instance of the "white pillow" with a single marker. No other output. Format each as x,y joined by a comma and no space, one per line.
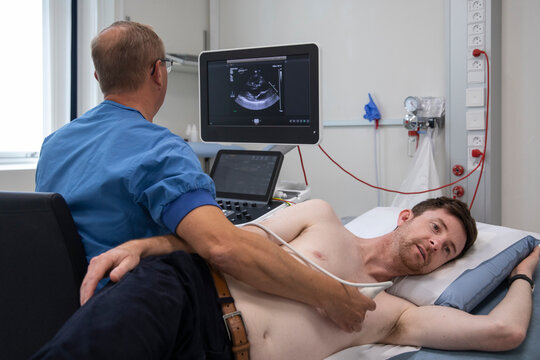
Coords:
426,289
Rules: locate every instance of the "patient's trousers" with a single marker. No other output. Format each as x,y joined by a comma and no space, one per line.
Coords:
166,308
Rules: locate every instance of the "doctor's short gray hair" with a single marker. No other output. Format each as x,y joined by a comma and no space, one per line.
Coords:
123,53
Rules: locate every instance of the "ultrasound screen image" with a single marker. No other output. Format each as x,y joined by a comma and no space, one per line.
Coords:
263,92
257,87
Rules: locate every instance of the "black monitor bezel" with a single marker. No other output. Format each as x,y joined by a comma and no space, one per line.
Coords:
267,135
251,197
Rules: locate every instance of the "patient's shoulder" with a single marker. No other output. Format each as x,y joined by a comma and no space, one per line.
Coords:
319,208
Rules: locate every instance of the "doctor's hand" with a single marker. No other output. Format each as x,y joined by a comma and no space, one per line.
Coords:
348,309
115,263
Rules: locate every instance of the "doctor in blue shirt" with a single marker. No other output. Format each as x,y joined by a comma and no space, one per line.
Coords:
126,178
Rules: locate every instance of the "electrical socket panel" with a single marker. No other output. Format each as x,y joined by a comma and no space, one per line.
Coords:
476,140
475,5
476,16
473,162
476,40
477,28
475,64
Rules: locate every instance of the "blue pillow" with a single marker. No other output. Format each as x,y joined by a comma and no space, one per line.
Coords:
471,287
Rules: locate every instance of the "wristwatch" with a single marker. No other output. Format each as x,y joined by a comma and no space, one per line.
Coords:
521,276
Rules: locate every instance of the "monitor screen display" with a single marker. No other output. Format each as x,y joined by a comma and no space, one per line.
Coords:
260,95
246,174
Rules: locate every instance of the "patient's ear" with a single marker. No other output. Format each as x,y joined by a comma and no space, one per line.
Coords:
404,215
96,76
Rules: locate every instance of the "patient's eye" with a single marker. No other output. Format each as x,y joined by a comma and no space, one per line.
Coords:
447,250
435,227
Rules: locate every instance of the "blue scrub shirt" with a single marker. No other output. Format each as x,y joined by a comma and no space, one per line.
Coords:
122,176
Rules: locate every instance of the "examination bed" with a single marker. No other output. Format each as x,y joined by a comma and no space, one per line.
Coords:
486,264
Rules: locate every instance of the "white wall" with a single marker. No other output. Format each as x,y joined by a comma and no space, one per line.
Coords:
391,49
380,38
181,25
520,114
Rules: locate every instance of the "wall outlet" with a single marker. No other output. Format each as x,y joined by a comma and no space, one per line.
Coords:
477,28
475,5
475,64
476,140
476,40
473,162
476,16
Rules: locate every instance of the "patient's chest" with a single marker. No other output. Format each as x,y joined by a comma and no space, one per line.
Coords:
282,329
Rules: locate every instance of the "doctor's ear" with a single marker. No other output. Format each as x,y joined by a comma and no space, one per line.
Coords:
404,215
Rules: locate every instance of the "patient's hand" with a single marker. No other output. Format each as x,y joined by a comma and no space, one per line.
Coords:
115,262
528,265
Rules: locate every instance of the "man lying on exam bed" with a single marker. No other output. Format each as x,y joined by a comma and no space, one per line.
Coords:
475,283
281,328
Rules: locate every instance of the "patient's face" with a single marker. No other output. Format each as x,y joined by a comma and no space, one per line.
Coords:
428,241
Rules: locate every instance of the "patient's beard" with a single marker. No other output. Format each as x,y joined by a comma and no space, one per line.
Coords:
407,251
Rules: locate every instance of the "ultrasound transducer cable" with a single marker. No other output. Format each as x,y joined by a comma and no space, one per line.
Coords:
368,289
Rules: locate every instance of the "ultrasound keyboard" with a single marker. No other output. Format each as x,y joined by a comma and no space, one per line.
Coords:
241,212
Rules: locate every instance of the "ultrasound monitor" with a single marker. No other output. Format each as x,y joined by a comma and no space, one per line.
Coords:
260,95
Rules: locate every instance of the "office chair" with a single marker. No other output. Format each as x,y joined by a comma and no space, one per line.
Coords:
42,264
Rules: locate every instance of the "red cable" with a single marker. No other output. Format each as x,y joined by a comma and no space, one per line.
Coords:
477,51
302,163
396,191
429,190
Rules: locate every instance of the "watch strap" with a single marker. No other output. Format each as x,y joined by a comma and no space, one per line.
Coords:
523,277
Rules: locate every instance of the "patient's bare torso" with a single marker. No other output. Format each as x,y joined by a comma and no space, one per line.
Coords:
279,328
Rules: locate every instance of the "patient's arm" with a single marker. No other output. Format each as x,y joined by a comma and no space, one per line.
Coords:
504,328
291,221
121,259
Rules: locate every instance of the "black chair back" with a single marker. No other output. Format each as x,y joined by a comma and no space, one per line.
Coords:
42,264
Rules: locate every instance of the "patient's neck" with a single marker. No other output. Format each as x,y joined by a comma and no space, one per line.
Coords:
379,258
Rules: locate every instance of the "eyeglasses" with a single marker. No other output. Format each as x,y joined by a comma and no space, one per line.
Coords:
168,63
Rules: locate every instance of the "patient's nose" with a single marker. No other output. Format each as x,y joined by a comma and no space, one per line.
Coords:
435,244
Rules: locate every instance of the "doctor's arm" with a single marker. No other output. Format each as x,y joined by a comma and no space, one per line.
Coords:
504,328
118,261
252,259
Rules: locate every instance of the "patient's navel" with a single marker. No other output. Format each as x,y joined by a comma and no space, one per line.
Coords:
319,255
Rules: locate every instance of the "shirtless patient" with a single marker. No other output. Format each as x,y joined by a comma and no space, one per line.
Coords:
279,328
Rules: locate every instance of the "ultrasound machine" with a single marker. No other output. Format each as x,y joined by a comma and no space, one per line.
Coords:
263,95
